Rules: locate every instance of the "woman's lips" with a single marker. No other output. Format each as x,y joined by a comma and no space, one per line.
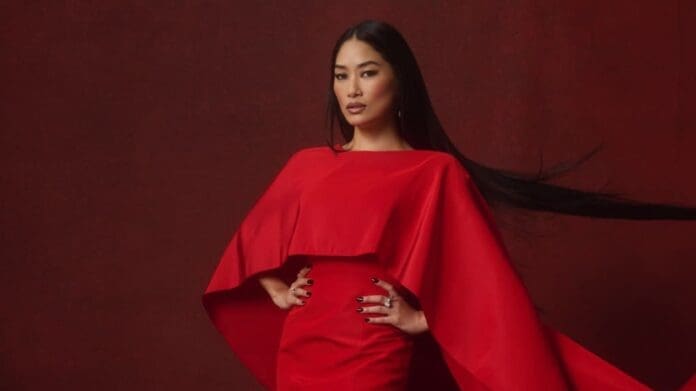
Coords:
356,109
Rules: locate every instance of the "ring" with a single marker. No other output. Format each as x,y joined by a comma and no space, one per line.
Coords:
292,290
387,303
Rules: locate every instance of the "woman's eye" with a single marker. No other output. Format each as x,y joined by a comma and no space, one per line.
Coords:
341,76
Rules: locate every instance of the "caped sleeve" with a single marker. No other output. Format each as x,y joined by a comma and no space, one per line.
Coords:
262,239
235,302
477,307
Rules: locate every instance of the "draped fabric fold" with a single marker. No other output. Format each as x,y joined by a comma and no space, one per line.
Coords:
422,216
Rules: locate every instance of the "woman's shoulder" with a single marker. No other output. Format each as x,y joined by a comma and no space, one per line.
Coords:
310,149
307,153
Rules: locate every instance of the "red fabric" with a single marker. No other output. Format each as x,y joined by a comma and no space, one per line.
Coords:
690,385
363,356
419,214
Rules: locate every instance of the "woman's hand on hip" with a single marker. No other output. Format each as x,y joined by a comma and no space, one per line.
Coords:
397,311
294,294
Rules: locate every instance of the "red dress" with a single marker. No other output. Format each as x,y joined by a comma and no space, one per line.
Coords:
418,219
326,345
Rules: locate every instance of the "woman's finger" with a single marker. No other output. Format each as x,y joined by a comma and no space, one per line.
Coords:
292,297
303,272
300,292
375,309
381,319
377,299
387,286
305,281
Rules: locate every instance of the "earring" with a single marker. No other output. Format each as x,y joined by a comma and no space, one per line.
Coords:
398,112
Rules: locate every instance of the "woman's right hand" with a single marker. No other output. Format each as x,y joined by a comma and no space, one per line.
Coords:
286,298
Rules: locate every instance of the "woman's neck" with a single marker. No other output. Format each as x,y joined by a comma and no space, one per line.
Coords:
384,141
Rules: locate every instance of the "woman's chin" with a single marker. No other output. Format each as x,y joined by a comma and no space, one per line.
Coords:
361,122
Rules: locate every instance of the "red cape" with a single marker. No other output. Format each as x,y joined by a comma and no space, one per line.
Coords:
690,384
421,215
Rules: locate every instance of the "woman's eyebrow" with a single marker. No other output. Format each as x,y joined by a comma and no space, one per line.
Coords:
362,64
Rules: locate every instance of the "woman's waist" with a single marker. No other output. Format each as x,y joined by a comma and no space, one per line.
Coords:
341,279
345,269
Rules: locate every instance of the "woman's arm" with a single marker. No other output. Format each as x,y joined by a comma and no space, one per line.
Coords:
280,292
273,285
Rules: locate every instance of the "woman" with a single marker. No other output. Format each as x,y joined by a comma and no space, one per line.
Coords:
410,285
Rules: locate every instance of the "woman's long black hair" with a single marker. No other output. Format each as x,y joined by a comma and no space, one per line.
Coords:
421,128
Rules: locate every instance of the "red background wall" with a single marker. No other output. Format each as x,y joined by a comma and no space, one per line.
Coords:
136,135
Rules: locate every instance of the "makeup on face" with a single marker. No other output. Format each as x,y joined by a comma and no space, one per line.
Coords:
363,83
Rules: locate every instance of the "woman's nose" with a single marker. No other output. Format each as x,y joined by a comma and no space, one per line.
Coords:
355,88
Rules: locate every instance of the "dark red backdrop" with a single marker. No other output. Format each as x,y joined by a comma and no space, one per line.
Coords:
135,137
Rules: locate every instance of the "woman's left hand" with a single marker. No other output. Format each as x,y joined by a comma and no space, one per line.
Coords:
400,315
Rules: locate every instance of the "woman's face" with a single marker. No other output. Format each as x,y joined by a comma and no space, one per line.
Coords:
362,76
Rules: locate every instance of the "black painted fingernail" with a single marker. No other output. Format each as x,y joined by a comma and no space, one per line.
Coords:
310,282
373,279
309,293
367,320
359,309
359,299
